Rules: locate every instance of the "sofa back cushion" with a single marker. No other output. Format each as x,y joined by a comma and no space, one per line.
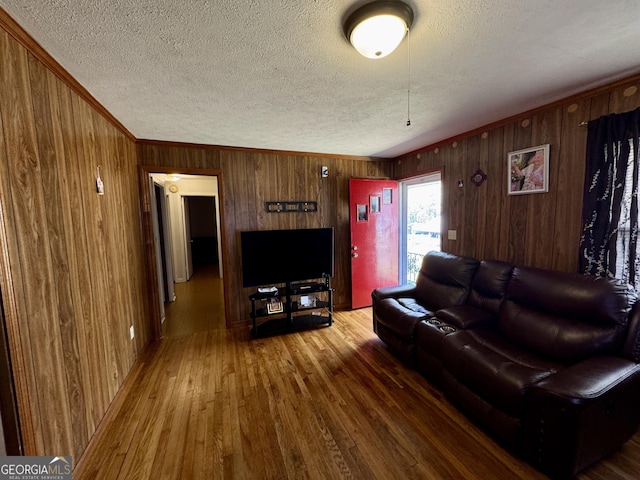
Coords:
444,280
489,285
565,316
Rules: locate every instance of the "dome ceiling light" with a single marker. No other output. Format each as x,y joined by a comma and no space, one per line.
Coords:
376,29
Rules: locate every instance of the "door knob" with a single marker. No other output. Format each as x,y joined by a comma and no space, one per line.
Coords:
354,255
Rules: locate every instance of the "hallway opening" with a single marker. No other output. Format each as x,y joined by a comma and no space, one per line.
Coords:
183,221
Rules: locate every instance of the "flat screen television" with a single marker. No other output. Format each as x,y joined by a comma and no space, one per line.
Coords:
284,256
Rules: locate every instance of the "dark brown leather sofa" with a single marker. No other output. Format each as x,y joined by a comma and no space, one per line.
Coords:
547,361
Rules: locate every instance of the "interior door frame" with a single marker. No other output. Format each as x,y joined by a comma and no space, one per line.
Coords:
164,229
10,290
8,401
186,224
150,253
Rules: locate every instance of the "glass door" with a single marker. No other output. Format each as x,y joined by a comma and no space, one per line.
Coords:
420,225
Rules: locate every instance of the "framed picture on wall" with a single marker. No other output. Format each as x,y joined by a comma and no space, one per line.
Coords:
528,170
386,196
362,213
374,202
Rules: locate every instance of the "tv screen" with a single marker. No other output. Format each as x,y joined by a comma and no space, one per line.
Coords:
281,256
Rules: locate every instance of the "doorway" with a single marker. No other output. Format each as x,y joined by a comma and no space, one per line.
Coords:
193,221
202,231
10,436
199,301
420,224
373,222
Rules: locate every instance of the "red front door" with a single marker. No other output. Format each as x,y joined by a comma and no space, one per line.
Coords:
373,207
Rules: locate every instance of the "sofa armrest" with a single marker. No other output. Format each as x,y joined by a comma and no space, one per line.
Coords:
406,291
581,414
590,378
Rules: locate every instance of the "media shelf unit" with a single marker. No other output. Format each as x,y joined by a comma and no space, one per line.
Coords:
294,316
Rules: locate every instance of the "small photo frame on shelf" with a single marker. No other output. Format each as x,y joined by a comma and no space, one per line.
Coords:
307,301
528,170
274,305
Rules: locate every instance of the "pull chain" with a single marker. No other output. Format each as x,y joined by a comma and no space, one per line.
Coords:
408,79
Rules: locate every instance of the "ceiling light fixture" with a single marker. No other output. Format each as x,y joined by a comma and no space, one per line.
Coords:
376,29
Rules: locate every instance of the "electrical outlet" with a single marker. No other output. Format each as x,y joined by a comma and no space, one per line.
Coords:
131,332
452,234
324,171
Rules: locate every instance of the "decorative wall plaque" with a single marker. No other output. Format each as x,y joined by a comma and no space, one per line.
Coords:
478,177
290,207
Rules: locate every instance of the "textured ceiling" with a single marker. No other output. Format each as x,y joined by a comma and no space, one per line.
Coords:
279,74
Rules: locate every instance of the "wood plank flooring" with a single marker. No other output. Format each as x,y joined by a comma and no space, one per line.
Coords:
199,304
330,403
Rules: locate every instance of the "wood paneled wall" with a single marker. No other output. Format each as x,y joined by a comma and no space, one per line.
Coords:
249,179
541,230
72,276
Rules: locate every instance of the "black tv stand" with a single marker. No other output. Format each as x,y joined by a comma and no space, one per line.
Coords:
305,305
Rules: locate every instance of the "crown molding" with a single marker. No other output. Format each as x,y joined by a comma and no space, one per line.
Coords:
293,153
589,93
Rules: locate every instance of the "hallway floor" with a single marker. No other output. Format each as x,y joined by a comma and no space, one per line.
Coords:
199,304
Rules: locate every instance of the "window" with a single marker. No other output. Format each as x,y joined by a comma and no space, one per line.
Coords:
420,225
609,242
626,236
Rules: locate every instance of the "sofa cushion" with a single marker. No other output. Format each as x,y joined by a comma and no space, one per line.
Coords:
412,304
490,285
492,367
563,315
398,318
444,280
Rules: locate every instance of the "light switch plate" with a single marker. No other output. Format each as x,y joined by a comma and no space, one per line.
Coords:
452,234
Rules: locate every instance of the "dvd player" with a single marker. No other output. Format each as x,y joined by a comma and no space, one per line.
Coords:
307,287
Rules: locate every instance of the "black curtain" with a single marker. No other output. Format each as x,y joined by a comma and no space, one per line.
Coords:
610,208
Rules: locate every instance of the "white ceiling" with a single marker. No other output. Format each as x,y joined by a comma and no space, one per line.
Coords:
279,74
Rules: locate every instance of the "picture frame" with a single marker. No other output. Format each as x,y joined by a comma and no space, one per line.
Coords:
528,170
274,305
387,196
374,204
362,213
